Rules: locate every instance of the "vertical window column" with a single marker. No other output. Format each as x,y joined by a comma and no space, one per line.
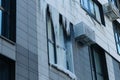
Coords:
8,19
98,64
51,40
61,48
117,35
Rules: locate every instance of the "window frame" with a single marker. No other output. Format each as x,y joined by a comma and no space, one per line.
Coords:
101,14
48,16
115,30
95,49
8,20
61,47
56,45
66,39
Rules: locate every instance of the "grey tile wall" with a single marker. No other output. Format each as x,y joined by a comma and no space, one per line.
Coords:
82,62
55,74
26,41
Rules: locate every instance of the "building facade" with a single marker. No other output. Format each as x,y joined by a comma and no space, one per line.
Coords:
59,40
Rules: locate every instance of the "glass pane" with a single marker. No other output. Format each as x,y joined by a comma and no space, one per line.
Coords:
0,21
61,49
0,2
97,12
4,71
85,4
50,31
99,77
109,0
69,55
97,62
113,1
51,53
118,48
63,58
92,7
82,2
61,37
116,36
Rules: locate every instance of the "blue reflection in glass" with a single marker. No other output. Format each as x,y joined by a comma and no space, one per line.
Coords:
0,21
0,2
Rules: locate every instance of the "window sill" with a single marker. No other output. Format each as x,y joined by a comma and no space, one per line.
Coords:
65,71
4,38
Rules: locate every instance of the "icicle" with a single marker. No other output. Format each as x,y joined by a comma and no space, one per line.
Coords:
68,28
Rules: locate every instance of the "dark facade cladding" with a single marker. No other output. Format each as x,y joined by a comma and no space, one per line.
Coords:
7,68
72,40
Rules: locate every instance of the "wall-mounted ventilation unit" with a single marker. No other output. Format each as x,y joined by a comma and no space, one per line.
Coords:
84,34
111,11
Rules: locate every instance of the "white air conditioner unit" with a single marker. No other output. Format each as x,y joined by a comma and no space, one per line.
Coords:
84,34
111,11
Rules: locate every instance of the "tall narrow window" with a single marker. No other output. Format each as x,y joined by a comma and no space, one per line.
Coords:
51,40
99,67
64,47
94,9
8,19
69,48
61,47
117,35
